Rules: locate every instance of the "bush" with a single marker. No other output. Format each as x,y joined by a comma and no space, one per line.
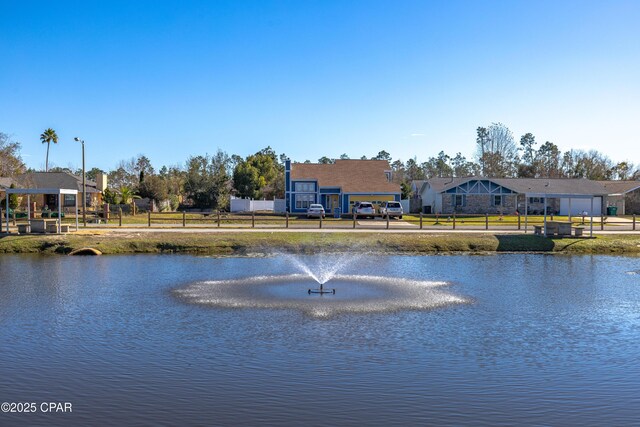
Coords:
174,202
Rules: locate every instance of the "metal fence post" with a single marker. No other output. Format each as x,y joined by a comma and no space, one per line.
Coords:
387,220
149,217
518,221
454,220
634,222
320,221
486,221
253,219
218,218
355,216
184,218
420,220
601,222
286,216
120,217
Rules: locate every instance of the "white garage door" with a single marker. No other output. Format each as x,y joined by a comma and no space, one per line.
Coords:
578,206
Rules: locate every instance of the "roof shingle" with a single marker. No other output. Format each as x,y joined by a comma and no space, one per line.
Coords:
559,186
55,180
352,176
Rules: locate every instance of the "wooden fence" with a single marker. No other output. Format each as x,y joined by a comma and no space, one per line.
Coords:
419,222
271,221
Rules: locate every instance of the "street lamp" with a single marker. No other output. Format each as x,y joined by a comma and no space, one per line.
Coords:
84,186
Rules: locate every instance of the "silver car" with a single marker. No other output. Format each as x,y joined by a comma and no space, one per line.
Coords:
364,209
393,209
315,210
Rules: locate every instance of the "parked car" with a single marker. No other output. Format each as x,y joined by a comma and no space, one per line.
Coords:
393,209
315,210
363,209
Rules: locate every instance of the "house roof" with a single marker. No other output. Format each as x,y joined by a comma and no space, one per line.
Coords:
5,182
620,187
55,180
352,176
417,183
569,186
440,184
555,186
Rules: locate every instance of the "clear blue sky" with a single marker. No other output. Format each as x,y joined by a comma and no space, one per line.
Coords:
314,78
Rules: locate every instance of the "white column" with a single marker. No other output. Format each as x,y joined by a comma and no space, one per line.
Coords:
545,216
7,209
76,211
526,213
591,228
59,212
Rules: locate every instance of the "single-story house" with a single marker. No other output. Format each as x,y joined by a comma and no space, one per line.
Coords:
338,185
478,195
58,180
624,195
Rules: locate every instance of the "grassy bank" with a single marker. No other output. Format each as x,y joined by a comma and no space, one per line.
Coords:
266,242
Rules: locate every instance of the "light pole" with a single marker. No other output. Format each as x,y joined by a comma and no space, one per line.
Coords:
84,186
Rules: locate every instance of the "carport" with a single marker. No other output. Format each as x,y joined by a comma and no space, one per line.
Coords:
30,191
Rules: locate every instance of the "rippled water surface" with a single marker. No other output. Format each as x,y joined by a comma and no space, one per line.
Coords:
431,340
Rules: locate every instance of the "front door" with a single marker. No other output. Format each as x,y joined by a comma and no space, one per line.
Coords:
332,202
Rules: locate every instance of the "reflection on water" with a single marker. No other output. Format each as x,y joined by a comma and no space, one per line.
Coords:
142,340
354,294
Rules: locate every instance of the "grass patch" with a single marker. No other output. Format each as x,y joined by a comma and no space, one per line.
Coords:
300,242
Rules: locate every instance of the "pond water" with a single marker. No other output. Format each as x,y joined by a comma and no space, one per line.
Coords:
425,340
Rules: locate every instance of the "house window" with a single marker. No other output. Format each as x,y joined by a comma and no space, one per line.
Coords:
536,199
497,200
69,200
304,187
458,200
304,200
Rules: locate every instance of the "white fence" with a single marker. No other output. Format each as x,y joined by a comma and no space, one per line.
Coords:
248,205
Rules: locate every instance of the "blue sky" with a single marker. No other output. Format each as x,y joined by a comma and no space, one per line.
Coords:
313,78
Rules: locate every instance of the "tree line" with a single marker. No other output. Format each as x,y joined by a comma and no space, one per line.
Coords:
207,181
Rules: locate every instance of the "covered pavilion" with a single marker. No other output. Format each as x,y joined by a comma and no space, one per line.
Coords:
30,191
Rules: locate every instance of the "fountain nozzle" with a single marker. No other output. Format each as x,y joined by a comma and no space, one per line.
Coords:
321,291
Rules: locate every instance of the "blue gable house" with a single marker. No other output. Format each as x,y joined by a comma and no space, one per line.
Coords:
338,185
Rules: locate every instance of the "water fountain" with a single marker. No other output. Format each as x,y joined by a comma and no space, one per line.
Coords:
358,293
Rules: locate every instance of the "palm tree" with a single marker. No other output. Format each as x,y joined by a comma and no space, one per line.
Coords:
46,137
126,197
